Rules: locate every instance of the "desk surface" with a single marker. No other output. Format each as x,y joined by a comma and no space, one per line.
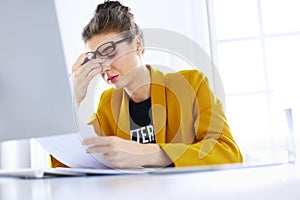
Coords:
273,182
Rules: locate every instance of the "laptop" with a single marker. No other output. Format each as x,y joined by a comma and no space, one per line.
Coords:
35,97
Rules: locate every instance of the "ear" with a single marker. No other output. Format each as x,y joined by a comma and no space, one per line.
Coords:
139,45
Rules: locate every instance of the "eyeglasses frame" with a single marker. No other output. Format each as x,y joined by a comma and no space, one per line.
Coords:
113,44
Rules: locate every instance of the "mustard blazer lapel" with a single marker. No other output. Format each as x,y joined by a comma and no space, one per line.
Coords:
123,123
158,101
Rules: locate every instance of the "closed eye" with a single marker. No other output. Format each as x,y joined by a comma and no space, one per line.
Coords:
111,55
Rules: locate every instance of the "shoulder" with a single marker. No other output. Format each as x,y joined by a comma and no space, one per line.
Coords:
187,74
193,77
192,74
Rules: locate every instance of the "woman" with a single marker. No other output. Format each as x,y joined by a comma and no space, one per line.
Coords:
148,118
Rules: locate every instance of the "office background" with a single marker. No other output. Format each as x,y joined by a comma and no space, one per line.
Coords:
254,44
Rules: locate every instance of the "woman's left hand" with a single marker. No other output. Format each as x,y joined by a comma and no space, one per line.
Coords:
122,153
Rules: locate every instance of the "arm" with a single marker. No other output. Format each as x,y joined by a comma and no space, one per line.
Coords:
213,143
122,153
82,75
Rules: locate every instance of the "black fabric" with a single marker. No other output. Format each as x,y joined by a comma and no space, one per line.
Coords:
141,125
139,112
141,119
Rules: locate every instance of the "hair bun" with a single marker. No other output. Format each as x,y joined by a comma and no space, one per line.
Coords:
113,5
111,16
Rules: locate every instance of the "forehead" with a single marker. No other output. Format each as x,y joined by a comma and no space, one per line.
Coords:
92,43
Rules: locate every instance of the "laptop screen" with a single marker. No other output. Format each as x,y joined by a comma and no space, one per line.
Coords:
35,94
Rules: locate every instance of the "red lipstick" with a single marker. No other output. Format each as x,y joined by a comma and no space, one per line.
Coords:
112,79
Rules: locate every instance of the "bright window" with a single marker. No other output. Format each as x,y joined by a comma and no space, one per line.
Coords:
256,45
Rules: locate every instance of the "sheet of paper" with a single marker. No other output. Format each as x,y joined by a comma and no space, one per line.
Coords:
69,150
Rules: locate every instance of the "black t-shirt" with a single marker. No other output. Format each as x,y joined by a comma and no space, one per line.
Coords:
141,124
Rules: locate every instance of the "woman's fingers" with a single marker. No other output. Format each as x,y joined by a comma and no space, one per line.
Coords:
86,68
99,145
118,152
101,140
82,74
78,63
99,149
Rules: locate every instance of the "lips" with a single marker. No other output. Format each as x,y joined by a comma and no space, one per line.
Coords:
113,79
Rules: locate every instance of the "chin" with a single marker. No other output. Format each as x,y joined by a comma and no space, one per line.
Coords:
119,84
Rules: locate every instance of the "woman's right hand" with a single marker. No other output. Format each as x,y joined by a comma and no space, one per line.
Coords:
82,74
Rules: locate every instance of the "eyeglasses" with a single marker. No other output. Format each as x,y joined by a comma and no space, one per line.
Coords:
106,50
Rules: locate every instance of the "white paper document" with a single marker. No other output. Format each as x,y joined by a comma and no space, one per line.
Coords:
69,150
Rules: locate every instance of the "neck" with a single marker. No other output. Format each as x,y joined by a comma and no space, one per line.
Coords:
139,88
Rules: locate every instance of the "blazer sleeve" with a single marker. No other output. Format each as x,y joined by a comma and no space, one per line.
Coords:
213,143
56,163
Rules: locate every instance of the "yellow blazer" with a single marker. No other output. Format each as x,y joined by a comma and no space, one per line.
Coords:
188,119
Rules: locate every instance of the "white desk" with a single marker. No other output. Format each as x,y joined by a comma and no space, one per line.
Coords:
275,182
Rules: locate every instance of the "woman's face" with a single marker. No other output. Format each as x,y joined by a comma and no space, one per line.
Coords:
118,56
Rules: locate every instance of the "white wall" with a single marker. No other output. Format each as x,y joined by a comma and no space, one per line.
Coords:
186,17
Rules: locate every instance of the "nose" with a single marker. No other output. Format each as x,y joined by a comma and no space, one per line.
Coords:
105,65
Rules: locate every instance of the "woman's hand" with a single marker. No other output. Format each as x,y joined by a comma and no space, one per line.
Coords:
82,75
122,153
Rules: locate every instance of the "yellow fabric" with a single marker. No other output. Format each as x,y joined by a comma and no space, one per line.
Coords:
55,163
188,120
